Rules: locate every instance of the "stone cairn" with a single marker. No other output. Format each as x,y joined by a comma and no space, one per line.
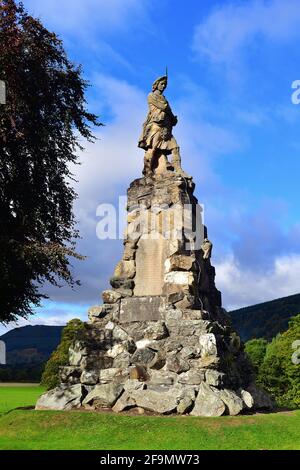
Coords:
161,341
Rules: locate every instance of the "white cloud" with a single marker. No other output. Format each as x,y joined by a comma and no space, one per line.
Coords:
244,286
77,16
114,160
233,26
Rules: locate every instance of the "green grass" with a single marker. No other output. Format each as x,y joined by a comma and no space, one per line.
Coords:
20,395
84,430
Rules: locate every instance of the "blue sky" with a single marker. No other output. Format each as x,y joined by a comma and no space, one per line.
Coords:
231,66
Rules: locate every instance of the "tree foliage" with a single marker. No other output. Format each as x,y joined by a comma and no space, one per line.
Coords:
40,126
279,372
256,350
60,356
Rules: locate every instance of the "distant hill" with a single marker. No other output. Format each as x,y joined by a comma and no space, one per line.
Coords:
267,319
31,344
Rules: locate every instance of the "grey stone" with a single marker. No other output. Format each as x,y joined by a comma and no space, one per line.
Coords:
175,297
208,402
192,377
208,344
116,350
182,391
64,397
124,402
124,292
121,285
157,402
187,327
247,398
140,309
96,360
162,377
184,405
119,333
188,314
97,311
173,314
134,384
190,352
188,301
70,374
103,396
89,377
214,377
158,361
185,279
206,362
113,375
129,249
111,296
125,269
173,345
233,403
176,363
122,361
179,263
156,331
76,353
143,356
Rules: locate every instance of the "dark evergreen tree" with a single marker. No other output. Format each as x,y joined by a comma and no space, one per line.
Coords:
40,125
60,357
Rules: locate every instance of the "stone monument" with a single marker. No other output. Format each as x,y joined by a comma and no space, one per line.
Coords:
161,341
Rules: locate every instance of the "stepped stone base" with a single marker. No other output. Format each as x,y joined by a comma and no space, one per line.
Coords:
176,361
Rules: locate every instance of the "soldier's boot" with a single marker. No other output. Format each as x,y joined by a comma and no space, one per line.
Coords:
176,162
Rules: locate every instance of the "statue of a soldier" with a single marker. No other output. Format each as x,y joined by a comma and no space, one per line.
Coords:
157,138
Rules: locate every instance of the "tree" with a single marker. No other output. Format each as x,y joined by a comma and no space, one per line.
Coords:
40,126
279,373
60,357
256,350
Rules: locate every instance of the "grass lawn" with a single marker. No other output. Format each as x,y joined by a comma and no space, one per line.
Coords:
29,429
18,395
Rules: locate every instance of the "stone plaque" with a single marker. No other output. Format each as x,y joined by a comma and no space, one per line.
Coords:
150,258
141,309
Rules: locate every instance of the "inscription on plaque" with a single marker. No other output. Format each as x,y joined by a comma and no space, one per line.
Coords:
150,258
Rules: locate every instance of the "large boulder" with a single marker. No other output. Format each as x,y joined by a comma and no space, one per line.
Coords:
64,397
156,401
89,377
208,402
234,404
214,377
103,396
